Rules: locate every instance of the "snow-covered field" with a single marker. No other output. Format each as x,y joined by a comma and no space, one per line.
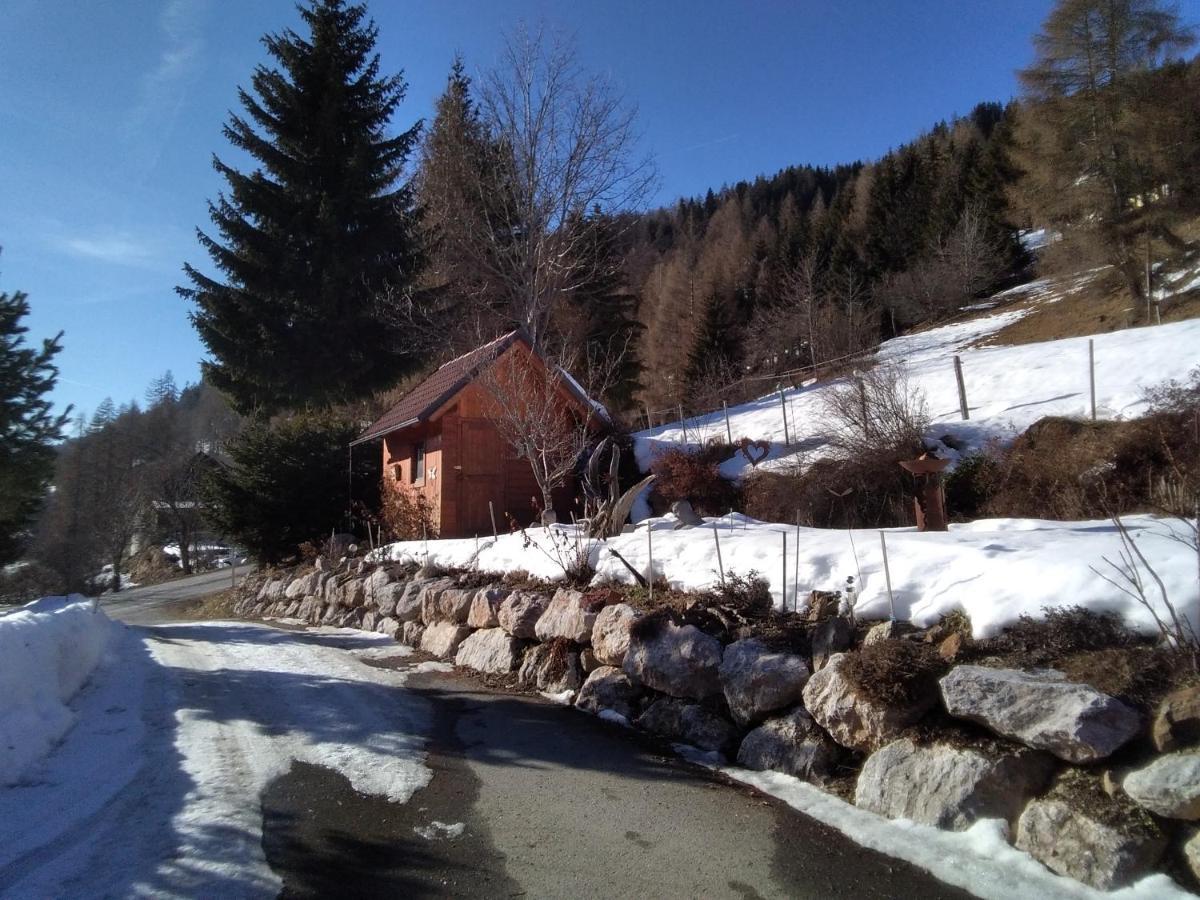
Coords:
994,570
1008,388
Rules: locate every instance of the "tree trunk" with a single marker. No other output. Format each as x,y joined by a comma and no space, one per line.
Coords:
185,548
116,574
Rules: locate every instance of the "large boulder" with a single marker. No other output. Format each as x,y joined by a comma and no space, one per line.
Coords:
387,597
485,607
432,608
452,604
610,634
691,723
1088,837
369,620
411,633
792,744
374,585
443,638
853,718
353,593
832,636
566,617
301,587
1177,722
408,602
681,661
519,613
552,667
949,787
608,688
1040,709
758,680
491,650
1191,854
388,626
1169,786
888,630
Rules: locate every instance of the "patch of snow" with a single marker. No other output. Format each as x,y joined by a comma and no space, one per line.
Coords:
228,707
48,650
1037,238
431,665
440,830
564,698
611,715
979,860
994,570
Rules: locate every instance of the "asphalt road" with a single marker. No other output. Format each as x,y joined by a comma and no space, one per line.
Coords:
557,804
162,602
540,801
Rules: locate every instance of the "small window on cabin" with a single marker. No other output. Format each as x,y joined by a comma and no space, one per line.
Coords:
418,463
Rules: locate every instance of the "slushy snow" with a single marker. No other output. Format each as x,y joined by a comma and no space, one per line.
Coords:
155,791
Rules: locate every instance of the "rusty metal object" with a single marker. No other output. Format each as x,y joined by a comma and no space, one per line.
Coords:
929,501
747,447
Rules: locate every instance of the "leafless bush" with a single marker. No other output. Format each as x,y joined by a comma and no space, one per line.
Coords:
1134,575
876,410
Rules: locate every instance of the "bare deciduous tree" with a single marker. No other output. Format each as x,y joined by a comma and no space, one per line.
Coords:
544,413
562,150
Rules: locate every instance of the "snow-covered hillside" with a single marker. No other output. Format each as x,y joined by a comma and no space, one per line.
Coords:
1008,388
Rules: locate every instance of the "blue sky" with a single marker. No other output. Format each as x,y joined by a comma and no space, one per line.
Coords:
110,113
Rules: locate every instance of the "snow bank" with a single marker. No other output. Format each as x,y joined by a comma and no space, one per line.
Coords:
48,650
1008,388
979,860
995,570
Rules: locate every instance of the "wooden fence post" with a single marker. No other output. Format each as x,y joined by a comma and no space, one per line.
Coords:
728,430
962,389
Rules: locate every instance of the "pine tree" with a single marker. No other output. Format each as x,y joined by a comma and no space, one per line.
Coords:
27,425
317,247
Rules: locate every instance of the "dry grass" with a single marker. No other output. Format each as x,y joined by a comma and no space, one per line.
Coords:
895,672
213,606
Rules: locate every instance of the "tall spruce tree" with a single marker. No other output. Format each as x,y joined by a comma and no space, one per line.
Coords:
317,247
28,427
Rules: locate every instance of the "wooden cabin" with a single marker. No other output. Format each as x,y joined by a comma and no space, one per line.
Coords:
440,443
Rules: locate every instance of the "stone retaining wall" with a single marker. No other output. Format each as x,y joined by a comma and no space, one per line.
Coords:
1044,740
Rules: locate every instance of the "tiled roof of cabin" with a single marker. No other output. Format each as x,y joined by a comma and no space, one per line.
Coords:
428,396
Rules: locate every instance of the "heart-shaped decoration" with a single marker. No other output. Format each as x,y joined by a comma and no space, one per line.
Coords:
748,447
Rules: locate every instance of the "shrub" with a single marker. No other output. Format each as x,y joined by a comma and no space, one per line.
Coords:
407,514
694,475
895,672
286,484
1061,633
749,593
868,490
